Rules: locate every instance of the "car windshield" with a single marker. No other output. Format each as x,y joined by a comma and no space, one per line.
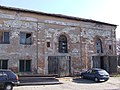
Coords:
102,72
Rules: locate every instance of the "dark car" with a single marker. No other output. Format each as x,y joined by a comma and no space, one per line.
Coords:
8,79
95,74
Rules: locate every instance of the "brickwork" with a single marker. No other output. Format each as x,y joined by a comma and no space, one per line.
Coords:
81,37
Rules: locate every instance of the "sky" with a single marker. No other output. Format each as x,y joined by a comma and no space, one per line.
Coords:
100,10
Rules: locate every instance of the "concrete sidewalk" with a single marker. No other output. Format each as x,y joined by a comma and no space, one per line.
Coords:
38,81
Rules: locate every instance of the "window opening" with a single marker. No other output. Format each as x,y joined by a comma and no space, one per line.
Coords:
63,44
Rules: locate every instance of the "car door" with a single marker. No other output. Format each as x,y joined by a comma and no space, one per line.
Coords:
90,74
0,79
3,78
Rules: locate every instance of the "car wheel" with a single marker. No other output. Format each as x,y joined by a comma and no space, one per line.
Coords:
96,79
8,87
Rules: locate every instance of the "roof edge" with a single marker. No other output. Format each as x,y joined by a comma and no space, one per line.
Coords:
55,15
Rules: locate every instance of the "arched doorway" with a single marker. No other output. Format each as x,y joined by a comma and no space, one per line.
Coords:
60,64
98,60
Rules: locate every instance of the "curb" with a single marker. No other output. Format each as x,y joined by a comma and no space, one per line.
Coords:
39,83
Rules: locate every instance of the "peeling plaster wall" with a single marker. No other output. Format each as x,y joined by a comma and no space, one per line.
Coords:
89,35
80,35
15,51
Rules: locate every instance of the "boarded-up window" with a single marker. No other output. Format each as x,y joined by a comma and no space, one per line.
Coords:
4,38
25,65
3,64
25,38
63,44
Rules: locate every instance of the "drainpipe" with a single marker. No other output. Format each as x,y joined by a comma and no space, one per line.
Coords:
80,56
37,46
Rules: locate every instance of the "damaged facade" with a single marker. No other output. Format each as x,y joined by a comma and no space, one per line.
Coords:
35,42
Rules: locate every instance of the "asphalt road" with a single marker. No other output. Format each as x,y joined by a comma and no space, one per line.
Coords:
69,83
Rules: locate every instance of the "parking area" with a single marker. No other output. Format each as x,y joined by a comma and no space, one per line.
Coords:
69,83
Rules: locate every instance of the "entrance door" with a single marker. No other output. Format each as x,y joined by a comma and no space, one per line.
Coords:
102,63
53,64
64,67
59,65
98,62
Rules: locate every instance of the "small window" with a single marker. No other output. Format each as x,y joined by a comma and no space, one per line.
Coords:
3,64
48,44
93,71
4,38
25,38
25,65
110,47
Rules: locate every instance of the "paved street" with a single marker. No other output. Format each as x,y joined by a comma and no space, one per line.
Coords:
76,84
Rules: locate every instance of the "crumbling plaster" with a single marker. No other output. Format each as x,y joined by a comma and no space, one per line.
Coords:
81,39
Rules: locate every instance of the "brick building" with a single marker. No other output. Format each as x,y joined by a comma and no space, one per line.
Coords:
35,42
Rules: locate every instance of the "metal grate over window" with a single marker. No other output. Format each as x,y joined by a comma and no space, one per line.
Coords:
63,44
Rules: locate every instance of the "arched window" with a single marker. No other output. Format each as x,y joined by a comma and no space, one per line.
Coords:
62,44
99,46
